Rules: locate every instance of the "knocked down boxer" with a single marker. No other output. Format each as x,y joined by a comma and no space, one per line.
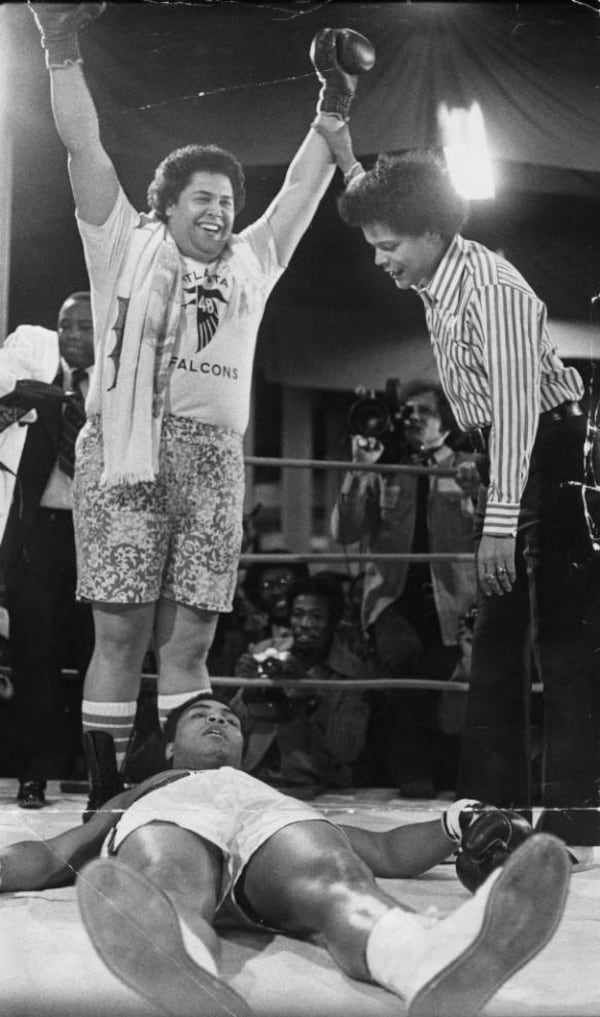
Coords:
204,839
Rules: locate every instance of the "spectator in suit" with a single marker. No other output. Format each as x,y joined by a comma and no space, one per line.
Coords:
48,629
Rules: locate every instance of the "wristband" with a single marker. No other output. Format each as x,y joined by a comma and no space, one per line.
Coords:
327,123
355,170
451,818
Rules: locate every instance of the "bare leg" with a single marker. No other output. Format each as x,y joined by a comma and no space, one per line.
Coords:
306,879
133,907
123,633
183,637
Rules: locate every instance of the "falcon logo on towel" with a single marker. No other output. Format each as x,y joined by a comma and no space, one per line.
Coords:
209,304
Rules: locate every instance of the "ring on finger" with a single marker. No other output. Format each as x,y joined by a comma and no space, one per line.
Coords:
489,576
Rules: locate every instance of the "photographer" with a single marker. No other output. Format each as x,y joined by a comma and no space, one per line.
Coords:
305,740
411,611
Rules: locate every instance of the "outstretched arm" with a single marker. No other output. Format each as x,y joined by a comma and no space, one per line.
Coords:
481,836
408,851
41,865
93,178
404,852
338,56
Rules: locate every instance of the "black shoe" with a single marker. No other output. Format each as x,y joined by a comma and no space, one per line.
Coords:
105,780
31,794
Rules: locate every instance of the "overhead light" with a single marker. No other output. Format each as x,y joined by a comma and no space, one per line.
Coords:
466,151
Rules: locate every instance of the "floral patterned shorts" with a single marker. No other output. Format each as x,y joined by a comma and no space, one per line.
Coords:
177,537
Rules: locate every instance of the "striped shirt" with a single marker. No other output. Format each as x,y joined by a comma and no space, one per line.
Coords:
497,364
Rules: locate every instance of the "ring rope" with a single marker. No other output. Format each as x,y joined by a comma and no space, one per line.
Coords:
360,556
370,684
350,467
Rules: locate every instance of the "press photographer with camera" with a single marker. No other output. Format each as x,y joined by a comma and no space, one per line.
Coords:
306,739
411,612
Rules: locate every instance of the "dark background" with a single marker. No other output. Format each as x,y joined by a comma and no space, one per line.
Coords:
147,62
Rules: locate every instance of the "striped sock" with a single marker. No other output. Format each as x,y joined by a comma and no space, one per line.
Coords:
114,718
170,701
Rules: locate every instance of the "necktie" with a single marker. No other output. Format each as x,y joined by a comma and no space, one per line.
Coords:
73,420
421,535
418,579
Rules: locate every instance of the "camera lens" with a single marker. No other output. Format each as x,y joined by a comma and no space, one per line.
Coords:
369,417
270,667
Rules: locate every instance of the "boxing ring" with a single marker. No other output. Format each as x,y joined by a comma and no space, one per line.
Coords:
48,967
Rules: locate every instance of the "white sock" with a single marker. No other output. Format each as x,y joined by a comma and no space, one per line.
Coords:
393,945
117,719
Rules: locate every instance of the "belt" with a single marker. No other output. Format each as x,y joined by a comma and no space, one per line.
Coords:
479,436
562,412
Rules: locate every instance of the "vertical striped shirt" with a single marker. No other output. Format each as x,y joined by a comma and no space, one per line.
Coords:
497,364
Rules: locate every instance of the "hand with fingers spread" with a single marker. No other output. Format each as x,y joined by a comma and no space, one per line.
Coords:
496,564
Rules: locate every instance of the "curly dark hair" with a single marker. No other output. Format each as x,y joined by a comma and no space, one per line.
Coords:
411,193
419,385
174,173
319,586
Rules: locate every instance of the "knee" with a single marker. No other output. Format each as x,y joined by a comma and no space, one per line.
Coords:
188,651
339,881
120,638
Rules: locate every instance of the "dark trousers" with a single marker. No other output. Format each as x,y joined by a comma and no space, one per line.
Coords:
48,630
406,735
551,610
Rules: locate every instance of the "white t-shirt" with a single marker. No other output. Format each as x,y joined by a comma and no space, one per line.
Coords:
223,303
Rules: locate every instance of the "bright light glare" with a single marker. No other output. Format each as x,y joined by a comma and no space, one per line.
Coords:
466,151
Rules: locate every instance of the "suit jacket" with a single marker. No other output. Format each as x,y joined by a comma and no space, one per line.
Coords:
28,450
37,460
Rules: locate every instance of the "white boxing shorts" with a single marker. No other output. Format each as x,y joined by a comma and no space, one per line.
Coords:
226,807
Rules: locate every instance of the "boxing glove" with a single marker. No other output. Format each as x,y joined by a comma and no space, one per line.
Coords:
59,26
339,55
486,844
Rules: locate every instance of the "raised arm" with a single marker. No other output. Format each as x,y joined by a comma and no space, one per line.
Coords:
93,178
338,56
356,513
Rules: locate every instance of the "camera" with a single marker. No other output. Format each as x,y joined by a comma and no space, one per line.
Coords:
270,662
268,704
381,417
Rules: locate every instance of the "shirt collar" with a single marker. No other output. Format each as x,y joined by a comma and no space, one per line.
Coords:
444,285
69,372
437,455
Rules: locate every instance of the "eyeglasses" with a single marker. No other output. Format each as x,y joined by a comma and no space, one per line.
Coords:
275,584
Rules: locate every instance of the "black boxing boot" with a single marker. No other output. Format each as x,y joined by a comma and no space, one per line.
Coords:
101,762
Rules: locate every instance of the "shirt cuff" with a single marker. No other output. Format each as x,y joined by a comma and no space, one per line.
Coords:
501,520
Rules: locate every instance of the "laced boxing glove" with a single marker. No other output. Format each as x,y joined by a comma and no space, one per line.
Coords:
339,55
487,842
59,26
